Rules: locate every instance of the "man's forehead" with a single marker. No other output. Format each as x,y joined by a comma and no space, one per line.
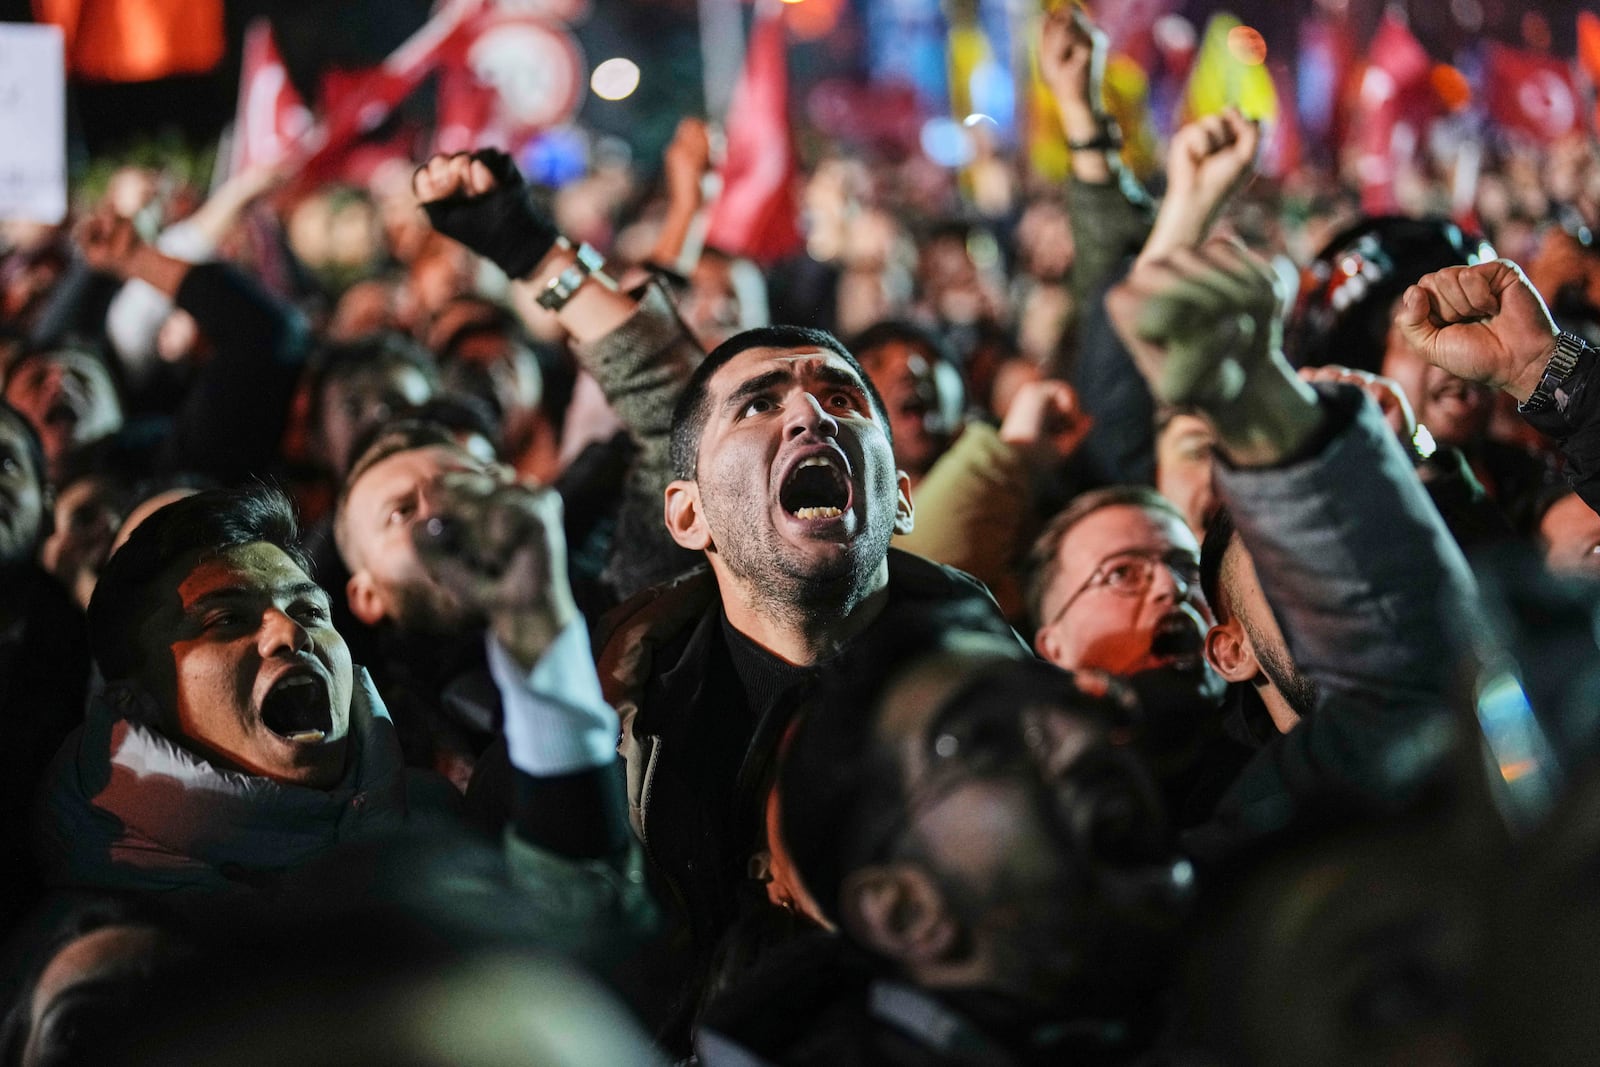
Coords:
412,466
801,362
1122,527
255,568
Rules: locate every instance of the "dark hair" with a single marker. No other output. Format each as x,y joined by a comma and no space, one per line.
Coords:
379,351
690,413
905,332
1219,535
1042,565
198,527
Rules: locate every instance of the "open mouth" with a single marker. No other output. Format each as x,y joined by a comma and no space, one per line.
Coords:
817,488
61,414
297,709
1177,638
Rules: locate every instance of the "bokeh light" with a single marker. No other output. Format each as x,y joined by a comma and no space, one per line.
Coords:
1246,44
615,79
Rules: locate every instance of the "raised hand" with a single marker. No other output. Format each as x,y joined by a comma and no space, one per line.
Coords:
1485,323
1072,60
1209,160
109,242
480,200
1045,422
1205,328
498,546
686,160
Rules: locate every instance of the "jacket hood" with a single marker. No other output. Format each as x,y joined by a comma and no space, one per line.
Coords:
125,807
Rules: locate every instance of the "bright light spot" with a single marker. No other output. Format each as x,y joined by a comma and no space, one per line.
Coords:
793,1
1174,33
977,117
947,142
1247,45
615,79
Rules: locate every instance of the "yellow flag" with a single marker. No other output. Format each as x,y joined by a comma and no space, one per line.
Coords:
1231,70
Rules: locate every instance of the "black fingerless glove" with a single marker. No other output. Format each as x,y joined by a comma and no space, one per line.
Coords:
501,225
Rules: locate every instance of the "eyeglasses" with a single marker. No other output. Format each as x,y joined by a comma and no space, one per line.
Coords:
1028,723
1131,573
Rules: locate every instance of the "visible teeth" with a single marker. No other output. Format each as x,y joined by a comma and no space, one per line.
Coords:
313,736
827,512
297,679
814,461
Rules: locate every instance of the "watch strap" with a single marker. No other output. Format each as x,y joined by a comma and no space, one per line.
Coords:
1563,361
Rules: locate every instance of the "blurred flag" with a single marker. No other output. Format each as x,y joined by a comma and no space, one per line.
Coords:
136,40
1230,70
969,54
756,214
1589,59
271,117
1281,154
1394,94
1321,76
1530,94
370,98
1129,26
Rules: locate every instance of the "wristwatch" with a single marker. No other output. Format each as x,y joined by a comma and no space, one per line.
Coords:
563,285
1563,360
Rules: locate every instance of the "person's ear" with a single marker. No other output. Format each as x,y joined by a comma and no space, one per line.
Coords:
899,912
904,511
1228,651
366,600
685,521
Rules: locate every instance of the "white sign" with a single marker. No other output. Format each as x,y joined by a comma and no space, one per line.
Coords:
33,123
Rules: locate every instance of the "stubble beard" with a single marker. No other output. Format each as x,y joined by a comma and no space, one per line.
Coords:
783,584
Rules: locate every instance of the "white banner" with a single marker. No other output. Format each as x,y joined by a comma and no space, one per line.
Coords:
33,123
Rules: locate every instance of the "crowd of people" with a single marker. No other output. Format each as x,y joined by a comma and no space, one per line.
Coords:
448,623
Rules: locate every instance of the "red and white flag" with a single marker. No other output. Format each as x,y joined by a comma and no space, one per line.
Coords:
756,215
1394,98
1531,94
271,117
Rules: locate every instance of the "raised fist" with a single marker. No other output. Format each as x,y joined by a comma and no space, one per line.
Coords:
480,200
498,546
1484,323
109,242
1199,322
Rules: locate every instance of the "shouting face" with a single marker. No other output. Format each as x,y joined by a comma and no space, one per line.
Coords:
795,494
245,663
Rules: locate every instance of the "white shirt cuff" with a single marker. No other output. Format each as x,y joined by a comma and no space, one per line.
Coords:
556,719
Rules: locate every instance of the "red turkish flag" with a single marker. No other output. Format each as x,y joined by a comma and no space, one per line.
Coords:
271,117
1394,88
756,215
1531,94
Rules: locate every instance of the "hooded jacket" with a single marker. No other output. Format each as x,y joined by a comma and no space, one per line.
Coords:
125,808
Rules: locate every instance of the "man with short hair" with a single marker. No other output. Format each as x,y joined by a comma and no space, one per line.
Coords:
784,481
235,740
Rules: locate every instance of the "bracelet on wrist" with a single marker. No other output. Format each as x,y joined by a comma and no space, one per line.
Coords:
1563,361
1108,138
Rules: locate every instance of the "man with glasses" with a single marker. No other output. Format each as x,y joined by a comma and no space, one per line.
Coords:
1115,587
